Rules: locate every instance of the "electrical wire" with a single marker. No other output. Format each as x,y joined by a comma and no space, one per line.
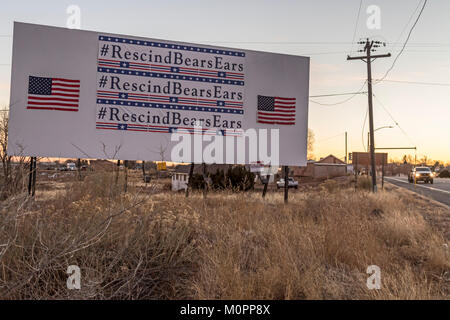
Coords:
337,94
362,132
360,91
356,25
407,24
418,82
393,119
335,136
406,41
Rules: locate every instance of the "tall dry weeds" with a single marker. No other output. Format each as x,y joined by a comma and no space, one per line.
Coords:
143,245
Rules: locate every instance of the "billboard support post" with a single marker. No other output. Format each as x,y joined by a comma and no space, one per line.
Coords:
79,168
143,171
118,170
30,174
189,184
286,183
205,186
266,183
265,187
32,177
125,168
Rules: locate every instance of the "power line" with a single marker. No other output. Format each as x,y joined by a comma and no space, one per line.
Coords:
356,24
362,132
343,101
385,109
320,53
418,82
406,41
421,44
409,20
337,94
281,42
335,136
343,43
393,119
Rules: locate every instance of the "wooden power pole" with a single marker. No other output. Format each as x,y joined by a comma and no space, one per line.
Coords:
346,152
369,47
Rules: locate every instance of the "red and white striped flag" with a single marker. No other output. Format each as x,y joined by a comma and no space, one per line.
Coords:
53,94
276,110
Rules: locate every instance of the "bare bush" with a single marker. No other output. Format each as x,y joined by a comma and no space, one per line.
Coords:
14,169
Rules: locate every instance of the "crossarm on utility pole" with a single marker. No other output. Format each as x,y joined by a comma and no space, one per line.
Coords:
372,56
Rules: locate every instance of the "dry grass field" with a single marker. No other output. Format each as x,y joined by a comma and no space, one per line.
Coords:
150,243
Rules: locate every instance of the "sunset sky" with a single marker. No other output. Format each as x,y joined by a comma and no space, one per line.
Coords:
323,30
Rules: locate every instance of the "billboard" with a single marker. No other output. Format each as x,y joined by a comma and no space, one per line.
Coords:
87,94
363,158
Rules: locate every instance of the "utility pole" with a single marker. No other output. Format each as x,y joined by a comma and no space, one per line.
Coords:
369,47
346,154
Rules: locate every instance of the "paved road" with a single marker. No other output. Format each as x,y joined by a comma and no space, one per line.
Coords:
439,190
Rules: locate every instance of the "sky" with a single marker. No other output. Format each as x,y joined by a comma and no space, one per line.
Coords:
324,30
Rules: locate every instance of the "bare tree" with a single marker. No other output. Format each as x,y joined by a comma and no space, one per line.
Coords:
6,160
14,168
311,140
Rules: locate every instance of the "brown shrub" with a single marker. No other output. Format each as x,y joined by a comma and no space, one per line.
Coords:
228,246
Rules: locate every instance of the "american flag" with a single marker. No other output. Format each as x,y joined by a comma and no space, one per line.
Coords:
53,94
276,110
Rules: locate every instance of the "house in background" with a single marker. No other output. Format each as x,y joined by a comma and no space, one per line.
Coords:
180,181
331,160
328,167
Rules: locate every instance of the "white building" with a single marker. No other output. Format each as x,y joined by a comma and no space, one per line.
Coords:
180,181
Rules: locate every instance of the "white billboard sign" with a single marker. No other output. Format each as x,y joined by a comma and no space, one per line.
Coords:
87,94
